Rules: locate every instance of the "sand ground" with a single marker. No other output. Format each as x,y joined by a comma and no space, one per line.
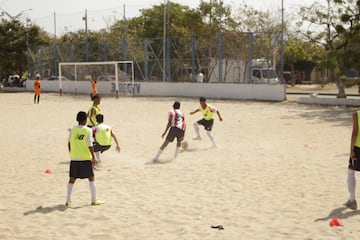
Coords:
279,172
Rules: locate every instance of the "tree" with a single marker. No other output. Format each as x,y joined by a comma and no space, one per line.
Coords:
334,26
14,37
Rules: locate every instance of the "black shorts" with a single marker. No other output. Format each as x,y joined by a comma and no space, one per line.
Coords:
81,169
208,124
99,148
355,165
175,133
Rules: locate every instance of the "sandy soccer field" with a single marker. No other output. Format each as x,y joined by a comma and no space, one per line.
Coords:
279,172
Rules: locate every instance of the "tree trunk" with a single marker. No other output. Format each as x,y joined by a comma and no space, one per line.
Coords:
341,88
293,79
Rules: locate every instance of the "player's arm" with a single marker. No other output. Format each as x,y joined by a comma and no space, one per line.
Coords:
353,136
195,111
91,148
116,141
219,115
168,125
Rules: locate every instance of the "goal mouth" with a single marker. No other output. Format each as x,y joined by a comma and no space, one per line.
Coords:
74,77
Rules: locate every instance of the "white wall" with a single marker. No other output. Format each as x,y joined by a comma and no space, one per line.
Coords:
211,90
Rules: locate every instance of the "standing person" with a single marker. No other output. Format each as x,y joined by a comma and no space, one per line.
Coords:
354,161
103,134
93,87
207,121
37,88
81,151
176,123
200,77
93,111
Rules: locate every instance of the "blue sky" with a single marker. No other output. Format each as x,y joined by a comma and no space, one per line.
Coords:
66,15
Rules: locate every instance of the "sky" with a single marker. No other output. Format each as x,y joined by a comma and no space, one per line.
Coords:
61,16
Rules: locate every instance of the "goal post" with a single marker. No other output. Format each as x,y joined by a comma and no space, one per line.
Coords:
109,76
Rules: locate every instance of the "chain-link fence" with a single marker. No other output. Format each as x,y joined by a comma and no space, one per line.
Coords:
220,57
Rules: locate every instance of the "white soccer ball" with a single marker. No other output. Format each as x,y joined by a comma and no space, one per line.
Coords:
184,145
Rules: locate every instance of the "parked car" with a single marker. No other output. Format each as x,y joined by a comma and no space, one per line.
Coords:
52,78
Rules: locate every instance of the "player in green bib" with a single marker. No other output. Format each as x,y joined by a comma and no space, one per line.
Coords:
82,156
93,111
354,161
103,135
207,121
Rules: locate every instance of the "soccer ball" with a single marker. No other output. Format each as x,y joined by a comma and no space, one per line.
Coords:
184,145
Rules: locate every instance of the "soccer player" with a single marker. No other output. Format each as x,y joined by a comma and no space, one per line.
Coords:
354,161
93,87
81,151
177,126
103,135
37,89
93,111
207,121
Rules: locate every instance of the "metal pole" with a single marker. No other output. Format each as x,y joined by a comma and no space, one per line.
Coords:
125,42
164,43
55,48
86,37
28,49
282,80
220,44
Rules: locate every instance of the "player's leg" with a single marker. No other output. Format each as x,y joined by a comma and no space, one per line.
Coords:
208,127
197,130
180,137
70,187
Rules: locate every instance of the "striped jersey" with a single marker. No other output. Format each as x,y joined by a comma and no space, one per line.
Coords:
177,119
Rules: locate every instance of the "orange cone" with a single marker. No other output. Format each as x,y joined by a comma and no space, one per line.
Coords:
335,222
48,171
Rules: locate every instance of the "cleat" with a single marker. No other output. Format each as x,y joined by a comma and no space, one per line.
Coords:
197,138
68,204
351,204
97,202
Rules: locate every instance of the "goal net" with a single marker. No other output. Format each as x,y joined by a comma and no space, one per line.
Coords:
115,77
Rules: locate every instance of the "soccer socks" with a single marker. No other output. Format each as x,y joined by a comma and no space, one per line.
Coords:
211,138
98,156
158,155
92,187
351,182
197,131
69,191
177,151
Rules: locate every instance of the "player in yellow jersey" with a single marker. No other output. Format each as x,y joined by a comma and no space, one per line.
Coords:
93,111
103,135
81,151
354,161
208,120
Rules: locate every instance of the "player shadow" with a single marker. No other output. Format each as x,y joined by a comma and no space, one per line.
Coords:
197,149
339,213
159,162
46,210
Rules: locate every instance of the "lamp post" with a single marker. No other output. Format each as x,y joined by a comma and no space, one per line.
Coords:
27,48
85,18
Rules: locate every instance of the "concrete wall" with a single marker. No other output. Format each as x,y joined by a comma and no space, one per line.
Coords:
211,90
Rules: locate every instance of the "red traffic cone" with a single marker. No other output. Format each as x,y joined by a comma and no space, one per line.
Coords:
48,171
335,222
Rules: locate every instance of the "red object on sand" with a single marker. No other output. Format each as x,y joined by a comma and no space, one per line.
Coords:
335,222
48,171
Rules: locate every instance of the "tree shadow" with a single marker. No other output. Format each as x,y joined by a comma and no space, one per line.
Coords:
339,213
337,115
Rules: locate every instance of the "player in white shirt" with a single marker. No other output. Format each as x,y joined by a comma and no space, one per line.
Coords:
177,126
